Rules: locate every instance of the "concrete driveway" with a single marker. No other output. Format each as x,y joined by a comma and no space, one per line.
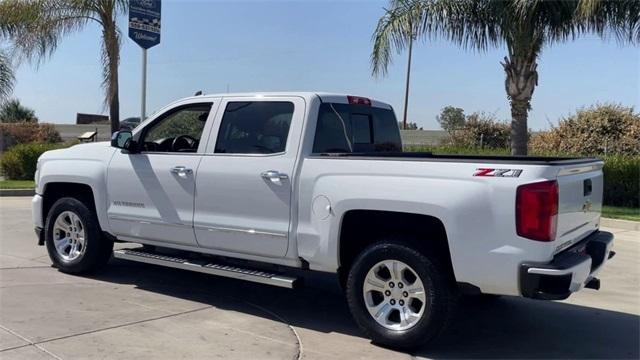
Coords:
142,311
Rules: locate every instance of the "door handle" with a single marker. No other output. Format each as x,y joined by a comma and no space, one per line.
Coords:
181,171
273,175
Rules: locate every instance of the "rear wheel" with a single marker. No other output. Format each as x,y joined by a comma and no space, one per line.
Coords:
74,241
399,297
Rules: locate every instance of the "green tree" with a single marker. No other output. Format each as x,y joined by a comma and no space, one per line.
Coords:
36,28
524,26
12,112
451,118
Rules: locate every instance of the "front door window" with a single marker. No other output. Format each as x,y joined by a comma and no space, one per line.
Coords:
178,131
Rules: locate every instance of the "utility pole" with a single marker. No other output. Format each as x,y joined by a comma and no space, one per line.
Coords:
406,91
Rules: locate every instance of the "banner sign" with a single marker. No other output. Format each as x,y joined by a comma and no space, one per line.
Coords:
144,22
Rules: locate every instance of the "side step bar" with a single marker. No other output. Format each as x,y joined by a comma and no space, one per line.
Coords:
206,267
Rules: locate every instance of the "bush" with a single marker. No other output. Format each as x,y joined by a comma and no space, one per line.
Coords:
622,181
481,130
19,163
599,130
22,133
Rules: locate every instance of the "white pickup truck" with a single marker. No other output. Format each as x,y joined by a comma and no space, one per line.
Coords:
252,186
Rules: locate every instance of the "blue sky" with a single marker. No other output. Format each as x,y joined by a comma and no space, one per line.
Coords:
316,45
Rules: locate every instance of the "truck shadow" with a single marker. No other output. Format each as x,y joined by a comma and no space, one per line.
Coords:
506,327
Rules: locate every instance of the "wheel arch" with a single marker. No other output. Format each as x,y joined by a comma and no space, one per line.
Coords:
53,191
359,228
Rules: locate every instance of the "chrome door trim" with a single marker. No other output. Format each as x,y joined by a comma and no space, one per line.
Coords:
145,221
240,230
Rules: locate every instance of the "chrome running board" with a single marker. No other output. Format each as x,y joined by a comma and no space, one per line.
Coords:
234,272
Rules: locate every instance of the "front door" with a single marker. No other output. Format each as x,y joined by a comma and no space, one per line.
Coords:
151,193
244,182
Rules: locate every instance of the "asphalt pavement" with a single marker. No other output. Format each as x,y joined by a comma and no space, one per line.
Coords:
138,311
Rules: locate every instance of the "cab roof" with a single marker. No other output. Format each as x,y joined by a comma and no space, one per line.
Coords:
324,96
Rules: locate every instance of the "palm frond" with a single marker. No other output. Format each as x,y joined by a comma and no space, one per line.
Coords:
7,77
36,27
392,33
620,19
472,24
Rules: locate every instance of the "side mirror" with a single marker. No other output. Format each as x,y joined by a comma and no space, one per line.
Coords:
122,139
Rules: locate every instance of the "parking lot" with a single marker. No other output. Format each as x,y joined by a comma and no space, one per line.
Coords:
141,311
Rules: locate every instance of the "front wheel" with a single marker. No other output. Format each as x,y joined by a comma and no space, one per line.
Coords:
74,241
398,296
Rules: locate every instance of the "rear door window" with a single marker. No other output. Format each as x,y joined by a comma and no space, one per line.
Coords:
350,128
255,127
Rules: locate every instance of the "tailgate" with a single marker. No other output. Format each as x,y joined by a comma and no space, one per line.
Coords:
579,202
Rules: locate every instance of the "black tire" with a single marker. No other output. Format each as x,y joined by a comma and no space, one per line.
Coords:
98,248
439,293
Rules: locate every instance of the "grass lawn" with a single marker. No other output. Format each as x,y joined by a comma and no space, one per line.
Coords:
623,213
17,184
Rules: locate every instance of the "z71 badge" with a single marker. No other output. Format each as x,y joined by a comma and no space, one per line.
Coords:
498,172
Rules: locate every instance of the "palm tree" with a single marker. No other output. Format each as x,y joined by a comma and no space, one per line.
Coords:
12,112
524,26
37,26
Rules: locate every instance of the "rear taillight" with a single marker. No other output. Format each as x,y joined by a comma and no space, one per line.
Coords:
537,210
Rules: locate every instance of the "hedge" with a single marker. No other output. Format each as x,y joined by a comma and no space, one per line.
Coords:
22,133
19,162
622,181
621,172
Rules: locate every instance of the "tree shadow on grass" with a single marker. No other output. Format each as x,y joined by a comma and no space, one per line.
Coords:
502,328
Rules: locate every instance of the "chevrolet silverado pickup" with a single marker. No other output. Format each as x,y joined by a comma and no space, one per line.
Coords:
260,186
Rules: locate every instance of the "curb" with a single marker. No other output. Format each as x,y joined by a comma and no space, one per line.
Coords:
17,192
620,224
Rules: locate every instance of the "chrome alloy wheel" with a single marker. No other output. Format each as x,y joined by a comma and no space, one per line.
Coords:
69,236
394,295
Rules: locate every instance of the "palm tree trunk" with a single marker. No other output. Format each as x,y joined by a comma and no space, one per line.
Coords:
114,104
111,62
521,80
519,133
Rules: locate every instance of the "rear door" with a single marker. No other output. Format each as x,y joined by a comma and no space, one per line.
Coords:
580,190
244,182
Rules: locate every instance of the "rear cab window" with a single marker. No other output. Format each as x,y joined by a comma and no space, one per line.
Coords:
356,128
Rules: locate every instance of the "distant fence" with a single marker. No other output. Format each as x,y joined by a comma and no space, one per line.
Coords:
422,137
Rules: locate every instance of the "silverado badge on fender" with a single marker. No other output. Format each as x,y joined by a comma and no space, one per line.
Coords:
498,172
